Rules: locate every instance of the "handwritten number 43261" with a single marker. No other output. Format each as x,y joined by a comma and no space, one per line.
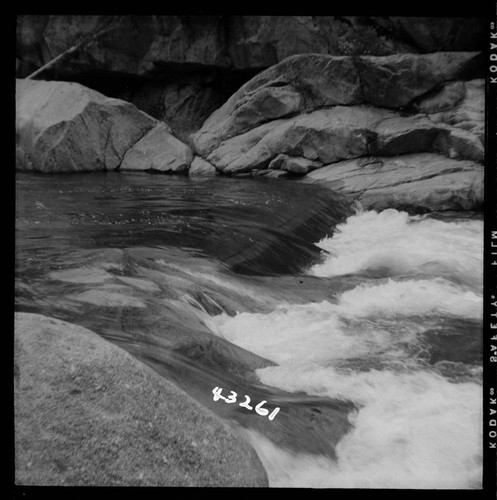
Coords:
232,399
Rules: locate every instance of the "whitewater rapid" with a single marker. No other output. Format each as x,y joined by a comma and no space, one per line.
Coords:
384,313
419,421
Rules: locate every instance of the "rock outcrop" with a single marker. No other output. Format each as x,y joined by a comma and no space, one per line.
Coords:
158,150
179,69
422,182
66,127
303,83
332,115
183,101
459,104
342,132
88,413
334,90
149,45
201,167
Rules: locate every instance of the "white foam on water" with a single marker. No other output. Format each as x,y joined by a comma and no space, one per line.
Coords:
323,330
412,298
396,243
414,428
287,332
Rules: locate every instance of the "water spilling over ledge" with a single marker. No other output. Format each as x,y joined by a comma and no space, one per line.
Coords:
272,290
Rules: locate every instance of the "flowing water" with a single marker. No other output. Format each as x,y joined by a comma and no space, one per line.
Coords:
363,328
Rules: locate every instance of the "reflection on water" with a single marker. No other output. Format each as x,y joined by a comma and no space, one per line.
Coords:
263,226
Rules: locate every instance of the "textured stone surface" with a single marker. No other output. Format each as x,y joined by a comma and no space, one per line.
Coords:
294,164
109,296
200,167
158,150
420,182
327,90
87,274
395,81
66,127
459,104
179,69
306,82
89,414
147,45
62,126
435,33
184,100
343,110
326,135
342,132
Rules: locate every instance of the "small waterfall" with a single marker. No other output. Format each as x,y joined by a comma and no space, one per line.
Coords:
362,327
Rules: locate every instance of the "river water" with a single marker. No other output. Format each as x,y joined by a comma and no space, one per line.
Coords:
363,328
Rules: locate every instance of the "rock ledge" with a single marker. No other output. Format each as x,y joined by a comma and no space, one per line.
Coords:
87,413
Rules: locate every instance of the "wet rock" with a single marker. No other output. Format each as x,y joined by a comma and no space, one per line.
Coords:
276,174
81,275
145,285
89,414
416,183
105,298
200,167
